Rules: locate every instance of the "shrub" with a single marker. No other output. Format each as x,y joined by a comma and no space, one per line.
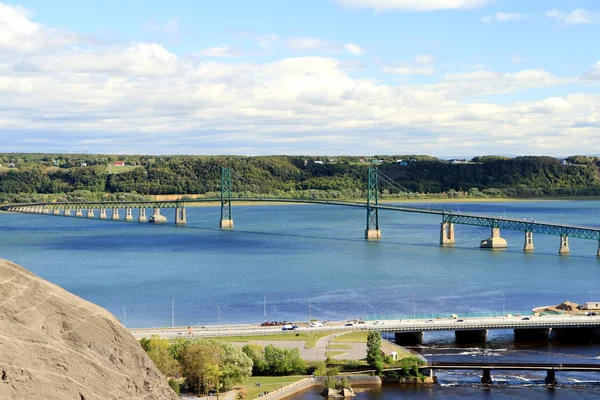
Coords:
174,385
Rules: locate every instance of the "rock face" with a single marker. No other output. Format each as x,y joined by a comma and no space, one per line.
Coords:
57,346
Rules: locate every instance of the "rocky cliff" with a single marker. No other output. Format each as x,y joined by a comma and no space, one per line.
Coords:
57,346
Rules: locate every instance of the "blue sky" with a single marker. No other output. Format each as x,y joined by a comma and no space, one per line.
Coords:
440,77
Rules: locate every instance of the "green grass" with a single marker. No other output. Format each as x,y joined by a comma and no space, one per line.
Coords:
339,346
352,337
335,353
309,339
267,383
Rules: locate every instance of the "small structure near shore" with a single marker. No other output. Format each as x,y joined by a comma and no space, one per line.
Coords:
337,388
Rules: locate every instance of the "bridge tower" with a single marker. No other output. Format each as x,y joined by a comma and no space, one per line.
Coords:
373,231
226,218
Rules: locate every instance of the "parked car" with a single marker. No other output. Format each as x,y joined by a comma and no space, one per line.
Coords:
349,324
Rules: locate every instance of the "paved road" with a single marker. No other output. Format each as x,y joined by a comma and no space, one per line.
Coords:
419,325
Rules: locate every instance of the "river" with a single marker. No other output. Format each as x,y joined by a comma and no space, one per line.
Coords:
282,255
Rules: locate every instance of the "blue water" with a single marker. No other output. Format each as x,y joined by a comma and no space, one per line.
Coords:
292,253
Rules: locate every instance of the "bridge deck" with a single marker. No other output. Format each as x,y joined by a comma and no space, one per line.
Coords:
584,232
513,366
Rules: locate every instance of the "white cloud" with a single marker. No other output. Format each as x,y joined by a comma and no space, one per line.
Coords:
575,17
412,5
504,17
103,97
594,72
354,49
409,70
171,27
424,58
219,51
19,33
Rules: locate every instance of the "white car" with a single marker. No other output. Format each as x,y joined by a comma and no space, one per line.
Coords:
379,323
316,324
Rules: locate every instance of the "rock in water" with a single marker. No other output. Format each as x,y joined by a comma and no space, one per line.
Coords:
57,346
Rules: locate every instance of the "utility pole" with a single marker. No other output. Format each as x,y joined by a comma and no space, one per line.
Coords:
265,307
173,312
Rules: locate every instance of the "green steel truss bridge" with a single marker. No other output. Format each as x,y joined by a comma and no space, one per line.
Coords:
372,205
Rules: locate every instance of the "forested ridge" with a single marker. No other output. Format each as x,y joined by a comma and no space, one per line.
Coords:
26,177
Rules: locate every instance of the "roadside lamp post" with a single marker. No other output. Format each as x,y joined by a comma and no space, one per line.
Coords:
265,307
173,312
219,315
309,316
502,304
414,309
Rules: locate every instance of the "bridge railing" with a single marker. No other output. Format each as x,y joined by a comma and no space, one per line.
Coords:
446,315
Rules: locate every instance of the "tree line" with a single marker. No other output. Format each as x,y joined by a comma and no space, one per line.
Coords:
37,176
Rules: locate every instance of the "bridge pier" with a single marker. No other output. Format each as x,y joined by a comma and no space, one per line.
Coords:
102,213
56,211
180,216
598,253
142,217
90,213
115,214
487,377
564,245
408,338
46,211
67,213
551,377
226,223
371,234
471,336
531,335
447,234
528,241
495,241
128,216
78,212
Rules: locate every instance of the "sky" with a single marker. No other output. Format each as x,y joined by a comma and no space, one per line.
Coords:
311,77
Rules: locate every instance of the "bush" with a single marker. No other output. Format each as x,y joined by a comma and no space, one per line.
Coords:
174,385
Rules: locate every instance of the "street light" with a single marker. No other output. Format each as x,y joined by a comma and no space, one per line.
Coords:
414,309
265,307
502,304
309,316
219,314
125,317
173,312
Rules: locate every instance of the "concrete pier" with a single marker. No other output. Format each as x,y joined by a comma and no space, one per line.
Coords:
90,213
486,378
408,338
67,213
79,212
471,336
56,211
447,234
551,377
598,253
180,216
564,245
115,214
531,335
103,213
528,246
371,234
226,223
495,241
128,216
142,217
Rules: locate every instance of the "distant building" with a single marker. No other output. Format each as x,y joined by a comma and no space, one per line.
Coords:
11,165
83,164
591,305
319,162
377,161
392,354
362,160
402,162
119,163
458,161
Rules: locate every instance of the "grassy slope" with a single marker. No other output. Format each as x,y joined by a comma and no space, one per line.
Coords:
309,339
267,383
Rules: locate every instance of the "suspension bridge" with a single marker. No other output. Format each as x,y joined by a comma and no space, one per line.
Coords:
376,181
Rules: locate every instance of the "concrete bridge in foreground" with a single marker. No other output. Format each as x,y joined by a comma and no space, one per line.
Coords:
372,206
487,368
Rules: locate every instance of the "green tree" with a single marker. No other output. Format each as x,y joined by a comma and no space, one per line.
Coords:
236,366
256,352
374,358
158,351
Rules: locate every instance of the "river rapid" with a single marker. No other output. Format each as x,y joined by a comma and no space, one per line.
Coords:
283,255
